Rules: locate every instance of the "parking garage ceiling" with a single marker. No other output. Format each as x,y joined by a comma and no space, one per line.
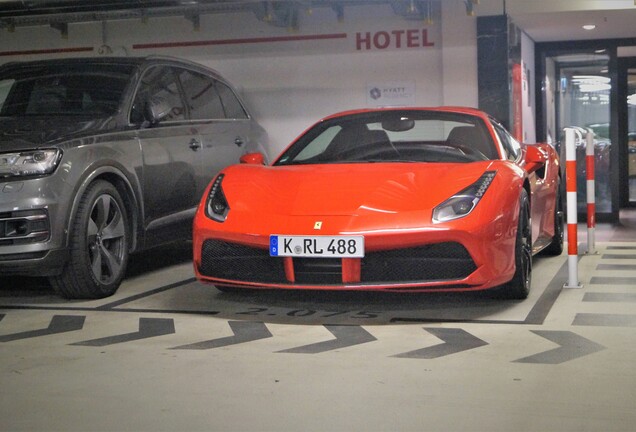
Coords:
16,13
543,20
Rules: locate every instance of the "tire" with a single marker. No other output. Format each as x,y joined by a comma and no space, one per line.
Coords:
519,286
556,246
99,243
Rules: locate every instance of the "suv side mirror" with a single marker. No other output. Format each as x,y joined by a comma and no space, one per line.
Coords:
253,159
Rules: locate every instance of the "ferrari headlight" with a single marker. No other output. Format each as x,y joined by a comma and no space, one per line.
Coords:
216,206
463,202
29,163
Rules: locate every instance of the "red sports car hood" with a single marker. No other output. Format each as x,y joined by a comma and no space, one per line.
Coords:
346,189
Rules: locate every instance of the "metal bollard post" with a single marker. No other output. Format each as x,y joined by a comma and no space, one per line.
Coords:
570,187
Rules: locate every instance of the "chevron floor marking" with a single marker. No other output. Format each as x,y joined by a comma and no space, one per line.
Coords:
244,331
346,336
572,346
148,327
455,340
58,324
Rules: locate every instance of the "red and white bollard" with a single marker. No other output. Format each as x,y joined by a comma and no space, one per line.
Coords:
570,187
591,198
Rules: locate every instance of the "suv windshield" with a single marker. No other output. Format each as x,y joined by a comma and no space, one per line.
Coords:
58,92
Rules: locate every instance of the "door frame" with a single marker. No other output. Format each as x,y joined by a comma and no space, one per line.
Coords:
624,64
610,47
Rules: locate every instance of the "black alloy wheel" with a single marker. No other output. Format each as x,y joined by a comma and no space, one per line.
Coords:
519,286
99,245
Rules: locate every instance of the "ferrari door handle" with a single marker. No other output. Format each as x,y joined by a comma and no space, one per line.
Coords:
195,144
238,141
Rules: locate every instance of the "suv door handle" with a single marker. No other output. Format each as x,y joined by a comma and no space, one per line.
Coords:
195,144
238,141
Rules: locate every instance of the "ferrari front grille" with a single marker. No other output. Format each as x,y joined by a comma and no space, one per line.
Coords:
430,263
318,270
238,262
435,262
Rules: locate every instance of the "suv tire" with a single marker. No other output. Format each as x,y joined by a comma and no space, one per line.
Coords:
99,244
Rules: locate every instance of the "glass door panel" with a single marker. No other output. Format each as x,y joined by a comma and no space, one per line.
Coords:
631,134
582,101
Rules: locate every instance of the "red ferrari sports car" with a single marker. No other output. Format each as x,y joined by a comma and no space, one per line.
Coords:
409,199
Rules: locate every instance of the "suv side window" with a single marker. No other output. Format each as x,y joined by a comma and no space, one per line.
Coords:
202,97
511,147
158,97
233,108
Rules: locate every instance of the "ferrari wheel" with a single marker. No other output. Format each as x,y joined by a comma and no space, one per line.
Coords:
99,245
556,247
519,286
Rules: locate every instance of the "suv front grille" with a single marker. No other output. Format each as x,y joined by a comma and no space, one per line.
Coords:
24,227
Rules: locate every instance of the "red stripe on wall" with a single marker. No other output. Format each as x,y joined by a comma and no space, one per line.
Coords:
46,51
240,41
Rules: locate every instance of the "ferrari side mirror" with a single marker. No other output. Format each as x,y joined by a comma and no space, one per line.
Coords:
535,158
253,159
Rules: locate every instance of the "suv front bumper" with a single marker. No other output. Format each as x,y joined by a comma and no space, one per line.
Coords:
32,227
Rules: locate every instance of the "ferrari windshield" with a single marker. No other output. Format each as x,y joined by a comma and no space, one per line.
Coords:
62,92
394,136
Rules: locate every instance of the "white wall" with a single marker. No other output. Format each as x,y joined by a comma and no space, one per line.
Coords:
289,84
459,53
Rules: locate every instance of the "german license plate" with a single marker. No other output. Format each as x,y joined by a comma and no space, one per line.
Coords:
317,246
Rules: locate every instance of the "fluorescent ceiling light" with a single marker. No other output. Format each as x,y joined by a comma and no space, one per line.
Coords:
591,83
589,26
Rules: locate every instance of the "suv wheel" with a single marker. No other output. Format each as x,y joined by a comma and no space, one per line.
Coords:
99,244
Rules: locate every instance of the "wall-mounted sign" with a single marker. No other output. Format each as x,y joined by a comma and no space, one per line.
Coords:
413,38
392,93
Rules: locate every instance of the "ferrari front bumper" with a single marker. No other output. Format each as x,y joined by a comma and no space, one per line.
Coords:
444,266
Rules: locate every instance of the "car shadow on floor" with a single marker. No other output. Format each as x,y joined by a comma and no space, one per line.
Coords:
139,264
160,257
361,307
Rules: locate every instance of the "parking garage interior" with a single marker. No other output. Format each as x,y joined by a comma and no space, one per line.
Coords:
167,352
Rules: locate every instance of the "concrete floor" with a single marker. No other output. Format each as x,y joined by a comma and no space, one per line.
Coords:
169,354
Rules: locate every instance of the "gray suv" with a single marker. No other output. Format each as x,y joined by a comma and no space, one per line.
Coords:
102,157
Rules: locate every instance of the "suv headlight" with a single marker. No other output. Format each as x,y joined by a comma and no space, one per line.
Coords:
29,163
463,202
216,206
